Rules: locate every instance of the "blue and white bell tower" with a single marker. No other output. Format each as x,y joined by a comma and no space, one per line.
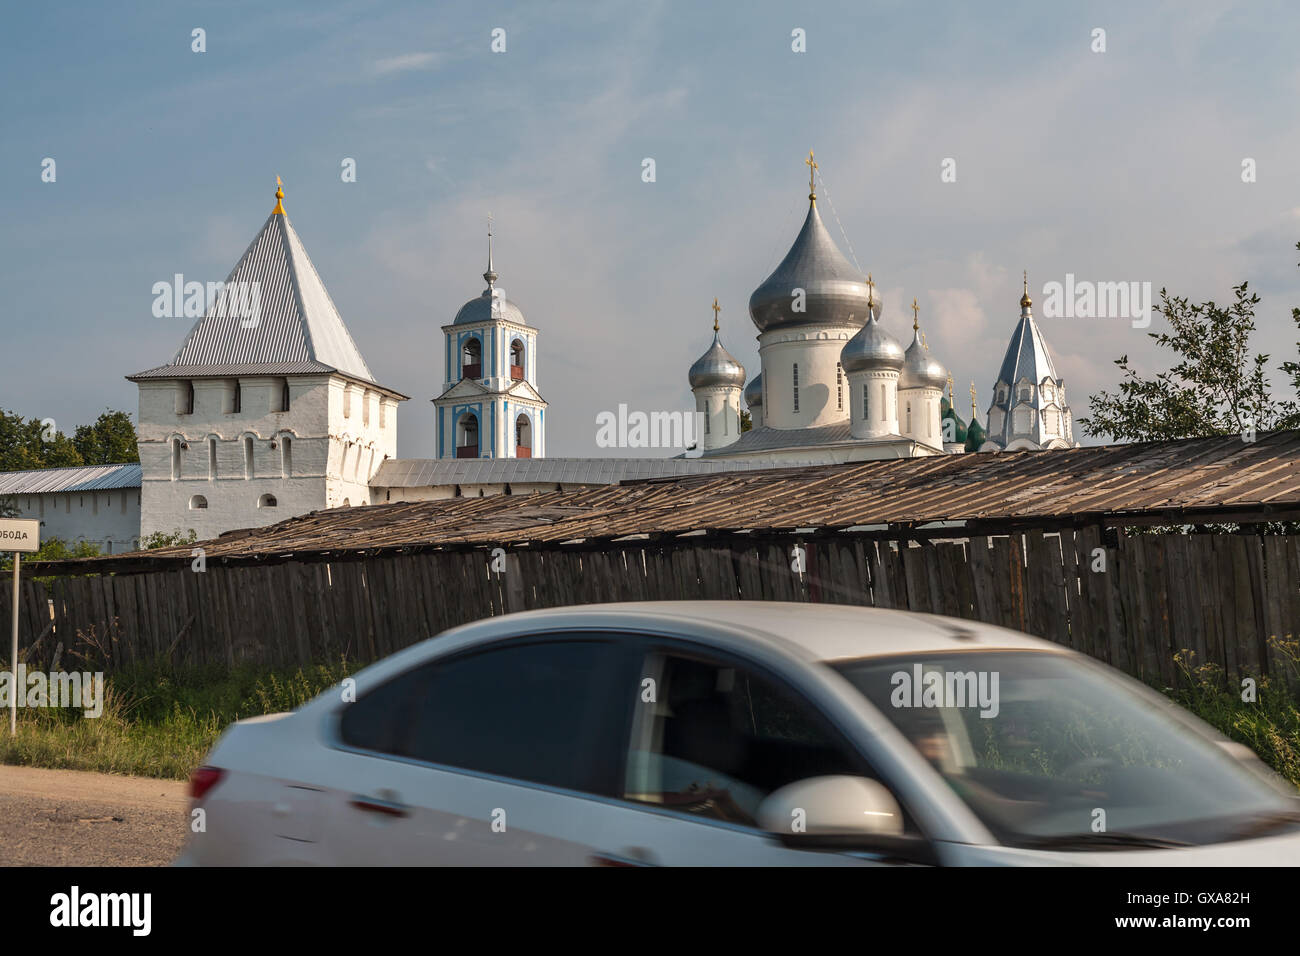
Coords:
490,406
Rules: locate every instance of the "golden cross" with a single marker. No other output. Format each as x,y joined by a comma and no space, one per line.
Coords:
974,413
871,291
915,309
812,170
950,390
716,309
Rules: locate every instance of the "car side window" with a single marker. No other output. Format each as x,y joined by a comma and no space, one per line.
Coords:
718,738
546,712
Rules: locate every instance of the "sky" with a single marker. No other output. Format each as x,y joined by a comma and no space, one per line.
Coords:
1122,165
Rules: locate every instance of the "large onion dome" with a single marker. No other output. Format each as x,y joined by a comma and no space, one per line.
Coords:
834,292
754,391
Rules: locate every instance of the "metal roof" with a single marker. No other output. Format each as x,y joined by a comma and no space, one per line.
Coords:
1200,480
87,478
432,472
296,321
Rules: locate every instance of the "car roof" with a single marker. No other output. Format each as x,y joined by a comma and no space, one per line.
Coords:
824,632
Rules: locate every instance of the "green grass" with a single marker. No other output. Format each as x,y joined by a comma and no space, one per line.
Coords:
160,723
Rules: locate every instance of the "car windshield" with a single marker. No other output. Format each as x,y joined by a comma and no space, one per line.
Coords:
1051,751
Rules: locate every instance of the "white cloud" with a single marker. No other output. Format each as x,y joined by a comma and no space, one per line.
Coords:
405,61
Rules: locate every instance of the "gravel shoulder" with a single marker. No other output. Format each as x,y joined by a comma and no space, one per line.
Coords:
75,818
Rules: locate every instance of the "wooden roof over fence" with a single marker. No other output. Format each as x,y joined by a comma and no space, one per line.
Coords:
1201,480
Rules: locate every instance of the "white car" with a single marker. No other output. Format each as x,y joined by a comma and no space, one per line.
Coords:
690,733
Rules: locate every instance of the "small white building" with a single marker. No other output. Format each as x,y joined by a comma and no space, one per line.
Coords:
99,504
265,415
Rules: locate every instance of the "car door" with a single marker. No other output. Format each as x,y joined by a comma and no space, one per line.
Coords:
490,756
710,738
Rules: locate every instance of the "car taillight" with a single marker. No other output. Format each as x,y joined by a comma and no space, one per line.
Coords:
204,779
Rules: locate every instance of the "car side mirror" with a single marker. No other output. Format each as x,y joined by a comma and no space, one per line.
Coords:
832,805
842,814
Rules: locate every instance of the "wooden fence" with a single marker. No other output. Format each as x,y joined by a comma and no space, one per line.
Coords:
1220,596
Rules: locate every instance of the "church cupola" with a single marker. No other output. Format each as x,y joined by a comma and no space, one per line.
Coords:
716,380
920,390
1029,408
754,399
872,361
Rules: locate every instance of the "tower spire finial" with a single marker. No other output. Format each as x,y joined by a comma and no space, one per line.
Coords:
915,309
812,182
279,197
491,275
871,302
950,392
716,309
1025,301
974,412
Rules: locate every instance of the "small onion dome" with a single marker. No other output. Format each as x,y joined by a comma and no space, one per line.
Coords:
834,292
717,366
490,306
975,436
871,348
946,413
920,370
754,391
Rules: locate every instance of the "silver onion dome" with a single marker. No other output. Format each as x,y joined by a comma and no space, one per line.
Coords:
754,391
871,348
834,292
717,366
920,370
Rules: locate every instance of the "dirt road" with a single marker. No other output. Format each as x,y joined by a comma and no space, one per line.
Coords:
63,817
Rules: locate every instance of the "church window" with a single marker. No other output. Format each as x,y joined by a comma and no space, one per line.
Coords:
467,445
866,401
268,501
284,395
884,412
796,386
347,401
383,412
212,458
286,456
185,399
198,503
839,386
248,456
909,418
365,408
176,458
523,437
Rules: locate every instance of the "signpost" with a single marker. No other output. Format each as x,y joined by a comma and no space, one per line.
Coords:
17,535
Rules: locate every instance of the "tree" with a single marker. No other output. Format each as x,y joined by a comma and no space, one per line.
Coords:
1216,386
746,422
27,444
53,549
167,539
109,441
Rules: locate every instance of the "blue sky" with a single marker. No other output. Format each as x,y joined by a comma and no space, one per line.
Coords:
1123,165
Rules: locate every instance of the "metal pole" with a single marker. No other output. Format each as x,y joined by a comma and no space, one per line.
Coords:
13,692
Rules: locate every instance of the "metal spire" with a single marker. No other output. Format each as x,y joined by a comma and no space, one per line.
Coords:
490,276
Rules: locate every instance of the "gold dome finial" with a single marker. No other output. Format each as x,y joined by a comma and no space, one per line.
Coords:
1025,301
950,390
812,183
279,197
974,411
716,309
916,324
871,302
